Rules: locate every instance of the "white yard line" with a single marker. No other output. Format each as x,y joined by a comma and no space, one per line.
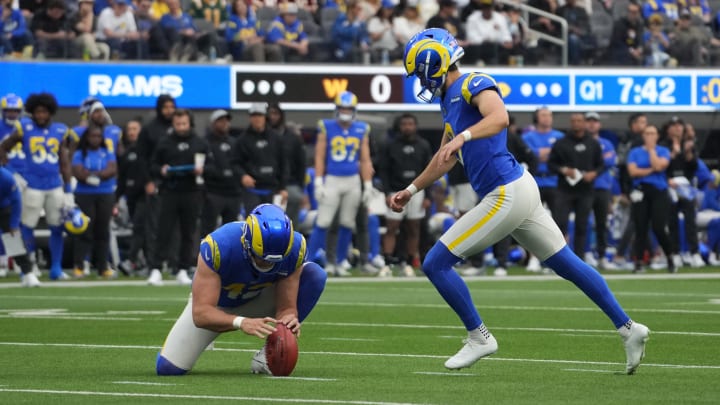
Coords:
350,339
583,370
215,397
302,378
450,373
142,383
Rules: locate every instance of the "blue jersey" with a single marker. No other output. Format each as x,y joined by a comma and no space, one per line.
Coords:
111,133
342,152
10,197
16,156
536,141
486,161
224,253
291,33
604,180
641,158
41,147
310,187
95,161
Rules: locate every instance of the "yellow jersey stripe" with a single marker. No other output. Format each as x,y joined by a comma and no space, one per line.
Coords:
301,253
493,211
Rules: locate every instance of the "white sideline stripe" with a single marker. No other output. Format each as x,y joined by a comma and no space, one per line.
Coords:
76,318
301,378
358,354
586,335
135,312
584,370
218,397
142,383
350,339
444,373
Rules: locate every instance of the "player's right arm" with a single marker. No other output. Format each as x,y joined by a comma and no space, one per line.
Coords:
320,150
9,142
206,289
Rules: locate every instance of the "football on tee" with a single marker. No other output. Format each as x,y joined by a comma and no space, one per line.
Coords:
281,351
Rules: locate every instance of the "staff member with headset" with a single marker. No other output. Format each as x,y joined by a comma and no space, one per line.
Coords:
646,165
174,163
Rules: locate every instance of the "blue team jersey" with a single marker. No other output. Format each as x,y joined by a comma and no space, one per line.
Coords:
536,141
16,156
310,187
111,133
605,180
486,161
95,161
291,33
641,158
41,147
342,153
223,252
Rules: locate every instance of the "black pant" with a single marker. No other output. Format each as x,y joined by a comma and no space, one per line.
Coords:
501,249
252,200
143,234
580,203
227,207
687,207
181,207
547,195
23,261
651,211
96,238
601,204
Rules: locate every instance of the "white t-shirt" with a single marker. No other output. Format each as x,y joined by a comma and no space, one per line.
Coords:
119,25
480,30
387,40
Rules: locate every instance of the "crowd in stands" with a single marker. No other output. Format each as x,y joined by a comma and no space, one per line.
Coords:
654,33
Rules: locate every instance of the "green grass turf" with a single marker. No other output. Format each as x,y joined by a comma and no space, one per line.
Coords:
370,342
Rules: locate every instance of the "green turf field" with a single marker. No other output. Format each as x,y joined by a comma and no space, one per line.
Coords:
371,342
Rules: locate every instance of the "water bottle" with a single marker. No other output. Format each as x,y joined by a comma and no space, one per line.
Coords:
212,54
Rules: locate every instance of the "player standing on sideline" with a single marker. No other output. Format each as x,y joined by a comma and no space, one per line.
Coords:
249,274
47,171
10,209
342,160
12,106
475,121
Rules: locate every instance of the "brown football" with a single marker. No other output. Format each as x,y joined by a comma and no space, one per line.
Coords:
281,351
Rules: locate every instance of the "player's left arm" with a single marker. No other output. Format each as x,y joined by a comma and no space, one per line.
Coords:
495,119
65,166
286,295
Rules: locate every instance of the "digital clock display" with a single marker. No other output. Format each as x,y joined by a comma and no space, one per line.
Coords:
633,90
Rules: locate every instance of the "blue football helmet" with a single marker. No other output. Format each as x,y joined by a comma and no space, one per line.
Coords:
84,109
75,221
15,104
348,100
268,235
428,55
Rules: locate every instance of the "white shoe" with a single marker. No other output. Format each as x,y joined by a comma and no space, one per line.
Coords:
378,261
713,259
345,265
686,259
385,272
697,261
635,346
183,278
533,265
473,351
30,280
340,271
606,264
36,270
369,269
590,259
472,271
155,278
408,271
677,261
500,272
3,272
258,365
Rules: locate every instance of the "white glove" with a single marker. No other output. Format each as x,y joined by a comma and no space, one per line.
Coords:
367,192
68,200
319,192
20,181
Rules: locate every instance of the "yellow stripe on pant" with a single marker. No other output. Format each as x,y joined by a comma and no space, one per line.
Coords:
493,211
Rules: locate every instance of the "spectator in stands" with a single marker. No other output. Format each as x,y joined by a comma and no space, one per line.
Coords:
382,40
95,169
669,9
30,7
295,156
657,44
688,42
488,35
244,37
626,46
447,18
407,24
153,43
180,32
580,38
221,174
53,32
544,24
158,9
213,11
15,35
523,49
117,28
700,10
85,25
287,36
350,36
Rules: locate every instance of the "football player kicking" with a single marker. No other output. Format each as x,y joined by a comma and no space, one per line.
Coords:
475,121
249,275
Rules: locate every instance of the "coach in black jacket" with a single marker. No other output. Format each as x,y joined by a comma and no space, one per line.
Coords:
577,159
261,157
222,176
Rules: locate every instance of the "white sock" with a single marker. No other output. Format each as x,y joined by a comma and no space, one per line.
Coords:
624,330
480,333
